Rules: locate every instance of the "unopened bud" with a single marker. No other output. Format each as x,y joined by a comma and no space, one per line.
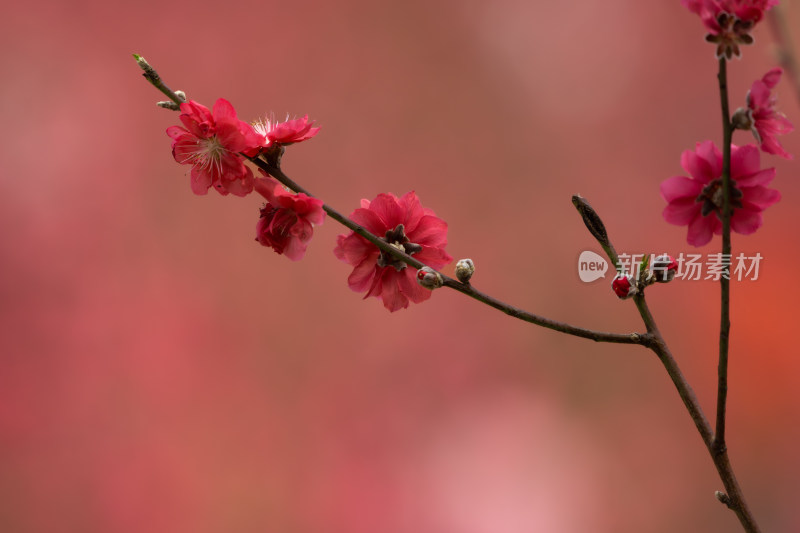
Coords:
664,268
169,104
742,119
429,278
464,270
592,220
624,286
723,498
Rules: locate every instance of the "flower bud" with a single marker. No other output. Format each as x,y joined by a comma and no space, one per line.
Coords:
624,286
429,278
664,268
464,270
742,119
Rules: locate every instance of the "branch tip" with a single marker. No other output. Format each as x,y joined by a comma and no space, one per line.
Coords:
591,219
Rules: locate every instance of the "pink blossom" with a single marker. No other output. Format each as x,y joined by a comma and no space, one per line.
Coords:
287,220
406,225
287,132
211,143
696,201
729,22
767,123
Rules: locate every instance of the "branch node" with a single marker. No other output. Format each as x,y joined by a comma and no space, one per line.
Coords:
723,499
167,104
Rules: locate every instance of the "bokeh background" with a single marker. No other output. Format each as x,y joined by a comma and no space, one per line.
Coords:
160,371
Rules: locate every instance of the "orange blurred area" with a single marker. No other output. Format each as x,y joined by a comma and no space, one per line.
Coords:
162,372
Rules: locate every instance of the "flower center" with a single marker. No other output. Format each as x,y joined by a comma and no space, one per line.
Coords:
208,155
733,32
711,197
397,239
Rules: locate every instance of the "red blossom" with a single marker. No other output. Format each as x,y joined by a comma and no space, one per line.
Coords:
211,144
696,201
287,220
287,132
729,22
624,286
767,123
405,224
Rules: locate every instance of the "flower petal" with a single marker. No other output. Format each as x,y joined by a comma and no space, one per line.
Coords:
704,164
701,229
760,177
760,197
363,275
681,212
745,221
410,288
393,298
679,187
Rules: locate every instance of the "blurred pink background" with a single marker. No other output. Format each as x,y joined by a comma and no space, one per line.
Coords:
162,372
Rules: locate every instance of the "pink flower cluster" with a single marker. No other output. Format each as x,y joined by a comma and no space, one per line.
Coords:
213,143
216,145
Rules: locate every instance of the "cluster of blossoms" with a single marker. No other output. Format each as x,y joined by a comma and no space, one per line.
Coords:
213,143
697,200
216,144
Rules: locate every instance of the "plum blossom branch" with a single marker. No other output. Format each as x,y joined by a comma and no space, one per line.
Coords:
268,160
734,497
272,167
464,288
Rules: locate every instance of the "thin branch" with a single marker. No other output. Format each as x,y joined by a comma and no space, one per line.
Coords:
152,76
464,288
272,167
725,283
734,498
